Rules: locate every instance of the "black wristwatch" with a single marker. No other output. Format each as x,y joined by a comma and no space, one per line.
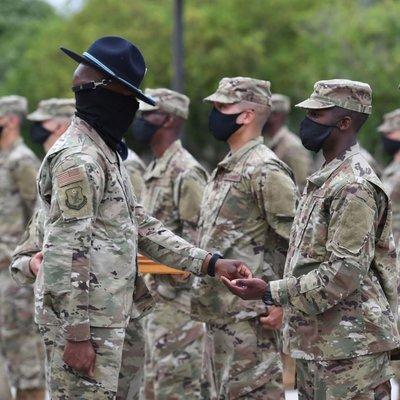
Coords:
267,298
211,265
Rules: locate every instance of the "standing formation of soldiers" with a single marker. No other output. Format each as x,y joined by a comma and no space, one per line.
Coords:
265,271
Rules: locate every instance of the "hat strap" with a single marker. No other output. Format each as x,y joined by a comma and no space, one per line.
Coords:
91,85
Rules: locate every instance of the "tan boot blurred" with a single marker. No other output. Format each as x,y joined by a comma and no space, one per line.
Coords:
31,394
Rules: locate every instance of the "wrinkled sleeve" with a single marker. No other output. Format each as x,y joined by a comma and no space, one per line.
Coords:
77,189
24,172
161,245
30,244
189,189
136,172
276,196
350,246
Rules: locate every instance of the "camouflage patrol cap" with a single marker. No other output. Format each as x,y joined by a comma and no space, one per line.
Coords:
391,122
53,108
351,95
238,89
168,101
13,104
280,103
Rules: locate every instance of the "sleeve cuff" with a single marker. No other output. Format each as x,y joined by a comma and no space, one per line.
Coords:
20,271
196,264
279,291
78,333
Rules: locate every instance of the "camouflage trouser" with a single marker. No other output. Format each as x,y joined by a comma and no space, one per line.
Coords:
361,378
174,345
20,343
64,383
241,361
131,374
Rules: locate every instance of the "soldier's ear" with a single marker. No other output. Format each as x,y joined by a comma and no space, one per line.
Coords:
345,123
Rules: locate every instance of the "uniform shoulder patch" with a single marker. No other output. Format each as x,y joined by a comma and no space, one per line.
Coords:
75,199
70,176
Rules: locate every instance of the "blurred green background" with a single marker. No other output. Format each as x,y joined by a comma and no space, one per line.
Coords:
292,43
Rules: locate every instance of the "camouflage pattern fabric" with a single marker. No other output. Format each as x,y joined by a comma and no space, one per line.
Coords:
53,108
20,342
360,378
344,93
339,290
287,146
93,229
242,89
13,105
247,212
65,383
391,181
174,189
167,101
135,167
391,122
131,372
241,361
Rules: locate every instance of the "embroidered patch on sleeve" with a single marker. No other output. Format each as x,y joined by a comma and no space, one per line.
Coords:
70,176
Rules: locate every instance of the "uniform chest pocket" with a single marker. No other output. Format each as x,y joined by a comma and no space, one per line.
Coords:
116,211
312,224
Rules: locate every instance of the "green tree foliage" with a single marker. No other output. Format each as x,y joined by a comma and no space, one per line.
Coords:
292,43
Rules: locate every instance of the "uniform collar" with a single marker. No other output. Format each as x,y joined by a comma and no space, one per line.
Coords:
157,167
231,159
273,141
321,176
84,127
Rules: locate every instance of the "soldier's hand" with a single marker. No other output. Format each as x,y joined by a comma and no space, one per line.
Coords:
232,269
35,262
274,318
80,356
247,289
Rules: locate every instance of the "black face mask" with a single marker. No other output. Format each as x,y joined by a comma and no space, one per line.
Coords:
1,129
143,130
313,134
391,146
38,133
109,113
221,125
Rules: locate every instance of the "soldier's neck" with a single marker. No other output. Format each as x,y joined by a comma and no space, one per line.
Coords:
8,139
241,137
160,146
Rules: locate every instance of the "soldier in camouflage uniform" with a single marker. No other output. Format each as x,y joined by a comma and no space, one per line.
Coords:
284,143
174,183
390,130
247,211
20,341
339,291
50,120
94,226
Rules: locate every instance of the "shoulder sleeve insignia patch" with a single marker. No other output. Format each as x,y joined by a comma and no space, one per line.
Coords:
75,199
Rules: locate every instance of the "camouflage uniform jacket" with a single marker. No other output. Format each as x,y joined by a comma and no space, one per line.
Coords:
92,231
18,170
247,211
135,167
287,146
174,189
339,288
32,242
391,180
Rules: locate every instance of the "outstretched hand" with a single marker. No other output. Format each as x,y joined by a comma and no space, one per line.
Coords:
232,269
247,289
